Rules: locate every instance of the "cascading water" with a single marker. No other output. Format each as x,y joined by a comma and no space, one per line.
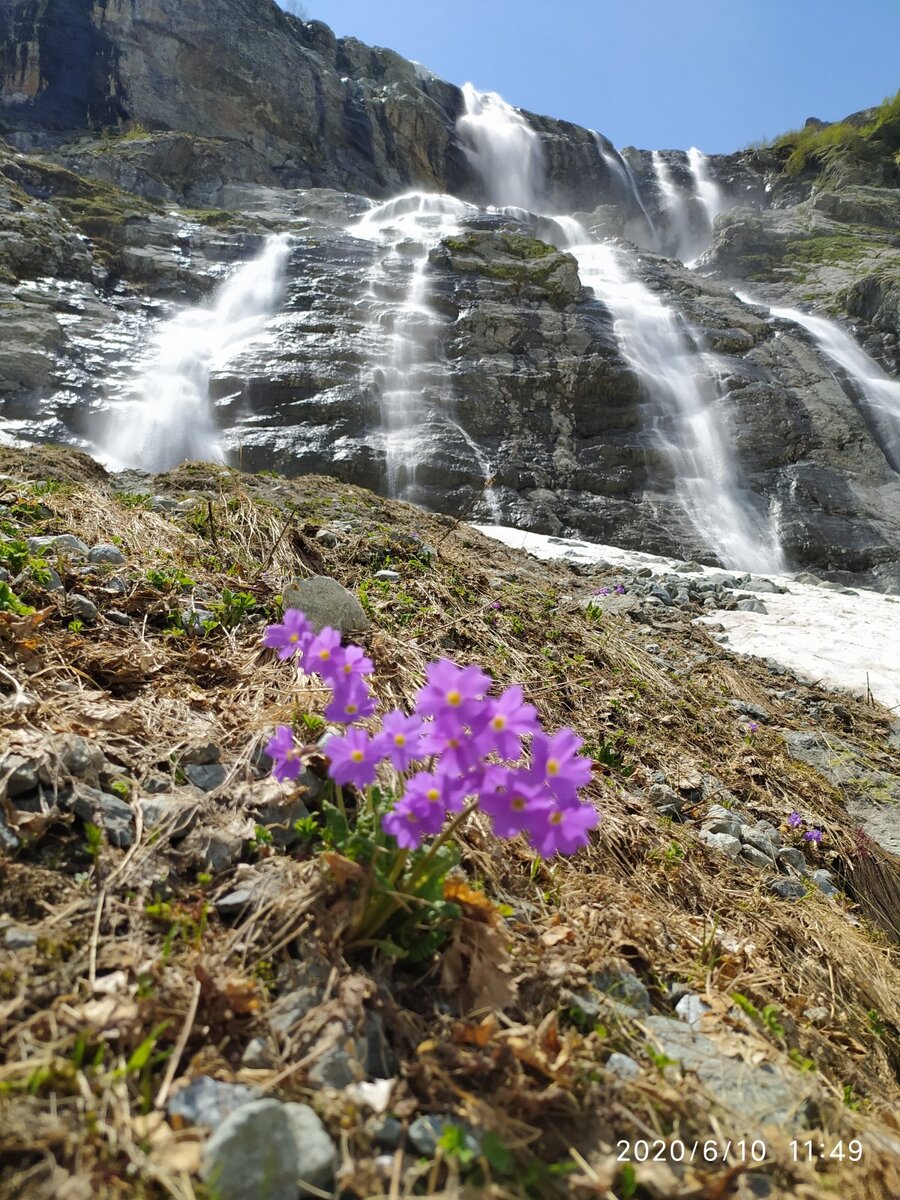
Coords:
172,421
406,328
675,205
623,171
876,392
504,150
682,383
708,191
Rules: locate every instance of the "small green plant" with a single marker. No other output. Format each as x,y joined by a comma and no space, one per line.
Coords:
76,626
133,499
170,579
307,828
261,837
454,1141
875,1023
121,788
768,1017
46,487
93,840
310,725
10,602
232,608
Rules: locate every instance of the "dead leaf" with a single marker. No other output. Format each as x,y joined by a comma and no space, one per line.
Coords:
474,904
553,937
477,967
345,870
475,1035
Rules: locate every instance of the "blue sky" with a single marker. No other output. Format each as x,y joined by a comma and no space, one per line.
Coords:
659,74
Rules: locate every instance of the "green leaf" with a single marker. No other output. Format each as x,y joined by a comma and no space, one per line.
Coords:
498,1154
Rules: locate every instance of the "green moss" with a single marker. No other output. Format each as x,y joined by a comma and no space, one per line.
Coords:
217,217
816,148
526,247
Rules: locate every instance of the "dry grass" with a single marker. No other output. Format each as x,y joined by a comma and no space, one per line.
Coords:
647,893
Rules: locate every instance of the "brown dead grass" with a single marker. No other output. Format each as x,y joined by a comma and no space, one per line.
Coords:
647,893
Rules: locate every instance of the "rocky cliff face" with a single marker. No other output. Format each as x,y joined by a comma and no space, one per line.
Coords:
138,170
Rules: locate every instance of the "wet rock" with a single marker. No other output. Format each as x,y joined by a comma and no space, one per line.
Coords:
207,1101
206,777
327,602
787,889
81,608
751,605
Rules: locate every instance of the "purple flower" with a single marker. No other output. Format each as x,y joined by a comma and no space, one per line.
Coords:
513,800
558,764
433,796
563,830
458,749
497,605
324,654
352,701
353,758
353,661
620,589
813,835
794,820
509,719
400,739
604,591
452,691
752,726
404,823
291,637
282,749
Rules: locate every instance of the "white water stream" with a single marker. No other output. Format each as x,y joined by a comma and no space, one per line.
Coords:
680,382
170,420
877,393
623,171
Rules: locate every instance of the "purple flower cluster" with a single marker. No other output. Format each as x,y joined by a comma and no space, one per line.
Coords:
811,835
458,746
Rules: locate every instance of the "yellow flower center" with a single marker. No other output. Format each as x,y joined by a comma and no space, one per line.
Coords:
399,739
324,655
453,743
351,709
295,637
357,755
552,766
433,794
454,699
556,819
499,722
518,804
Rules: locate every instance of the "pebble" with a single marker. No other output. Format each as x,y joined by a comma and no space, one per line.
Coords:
19,939
20,775
623,1065
723,842
81,608
106,552
757,858
113,815
327,602
207,1101
691,1008
824,881
206,777
394,576
117,618
61,543
787,889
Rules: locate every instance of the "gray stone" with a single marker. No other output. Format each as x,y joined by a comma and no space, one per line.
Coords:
81,607
18,775
787,889
691,1008
623,985
623,1065
729,825
751,710
19,939
110,813
117,617
327,602
824,881
8,840
756,1096
217,850
207,1101
386,1132
106,552
791,857
757,858
425,1133
393,576
207,777
235,903
201,755
265,1150
662,796
258,1055
818,1015
178,816
336,1068
60,543
723,842
759,840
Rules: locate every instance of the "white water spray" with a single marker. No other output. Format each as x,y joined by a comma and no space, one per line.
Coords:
708,191
503,148
675,205
407,328
623,171
876,392
172,420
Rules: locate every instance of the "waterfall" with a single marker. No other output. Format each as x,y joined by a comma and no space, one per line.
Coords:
876,392
406,327
675,206
708,191
172,419
623,171
503,149
682,386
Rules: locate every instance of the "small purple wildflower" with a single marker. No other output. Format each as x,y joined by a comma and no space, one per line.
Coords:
794,820
353,758
452,691
282,749
604,591
620,589
558,764
514,801
497,605
353,661
404,823
813,835
433,796
352,701
324,654
291,637
509,719
752,727
564,830
400,739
